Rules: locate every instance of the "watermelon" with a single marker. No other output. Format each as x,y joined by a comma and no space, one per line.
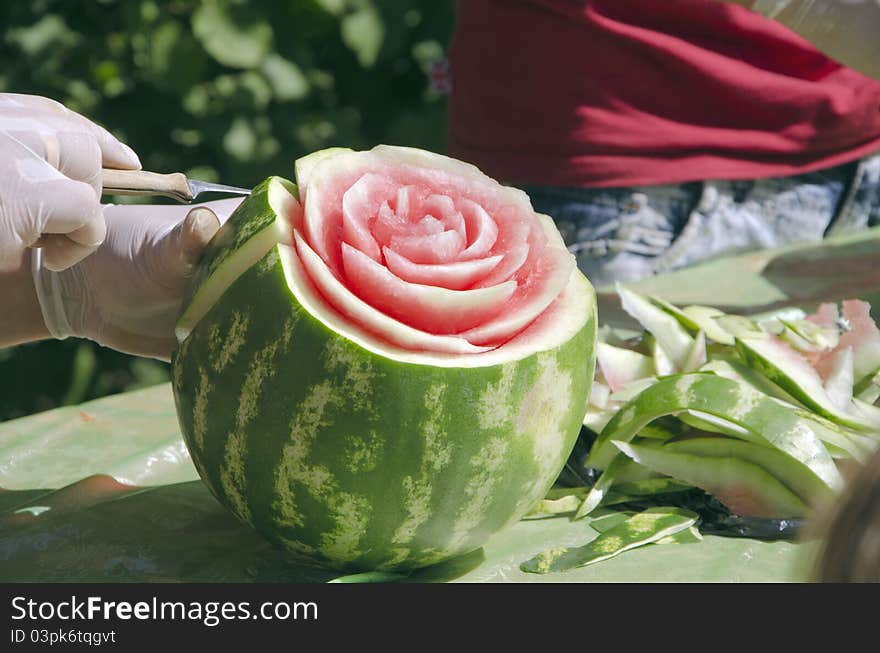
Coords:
786,380
386,362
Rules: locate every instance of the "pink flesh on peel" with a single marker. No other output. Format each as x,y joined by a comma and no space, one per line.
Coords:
742,501
863,336
599,395
427,308
795,358
359,312
455,276
839,380
825,316
614,375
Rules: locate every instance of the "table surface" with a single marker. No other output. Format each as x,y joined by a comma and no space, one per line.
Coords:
105,491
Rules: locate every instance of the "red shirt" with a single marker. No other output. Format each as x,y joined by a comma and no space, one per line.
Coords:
637,92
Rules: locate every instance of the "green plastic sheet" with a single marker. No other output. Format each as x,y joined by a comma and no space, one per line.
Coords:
106,491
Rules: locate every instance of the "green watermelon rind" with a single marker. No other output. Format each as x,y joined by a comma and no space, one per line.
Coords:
356,454
720,474
764,420
244,239
797,478
762,355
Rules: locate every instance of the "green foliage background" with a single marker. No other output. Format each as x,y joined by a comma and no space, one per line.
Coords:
225,90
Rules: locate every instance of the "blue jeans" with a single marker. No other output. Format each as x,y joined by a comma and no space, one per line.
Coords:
626,234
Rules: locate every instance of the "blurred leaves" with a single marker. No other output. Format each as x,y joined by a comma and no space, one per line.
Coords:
362,31
225,90
241,87
286,78
231,33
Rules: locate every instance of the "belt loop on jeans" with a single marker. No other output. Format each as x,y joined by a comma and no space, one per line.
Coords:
846,219
706,203
708,197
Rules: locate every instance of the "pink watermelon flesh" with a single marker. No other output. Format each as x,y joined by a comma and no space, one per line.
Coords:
483,229
743,501
455,276
358,311
429,308
444,255
825,316
863,337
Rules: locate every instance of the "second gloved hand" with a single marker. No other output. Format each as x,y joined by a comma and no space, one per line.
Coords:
128,294
50,180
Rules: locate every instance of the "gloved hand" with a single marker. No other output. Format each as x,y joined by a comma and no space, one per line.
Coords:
50,179
128,294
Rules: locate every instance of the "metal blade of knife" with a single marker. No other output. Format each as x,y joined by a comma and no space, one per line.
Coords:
175,185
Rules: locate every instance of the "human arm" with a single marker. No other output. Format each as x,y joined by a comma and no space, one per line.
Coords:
20,317
127,294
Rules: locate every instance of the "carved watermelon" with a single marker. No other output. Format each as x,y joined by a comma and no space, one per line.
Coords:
385,364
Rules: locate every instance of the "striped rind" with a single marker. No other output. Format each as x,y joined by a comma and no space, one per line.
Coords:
797,378
360,455
360,461
720,475
246,236
764,420
797,478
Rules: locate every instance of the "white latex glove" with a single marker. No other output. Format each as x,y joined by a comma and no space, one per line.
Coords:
128,294
50,179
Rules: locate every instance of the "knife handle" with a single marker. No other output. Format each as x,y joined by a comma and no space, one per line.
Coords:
140,182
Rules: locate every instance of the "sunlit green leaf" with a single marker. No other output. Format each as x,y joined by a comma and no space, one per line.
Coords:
362,32
107,75
51,31
81,96
149,11
83,369
240,141
196,101
286,79
187,137
162,43
254,86
315,133
203,173
334,7
234,36
226,85
426,52
147,372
